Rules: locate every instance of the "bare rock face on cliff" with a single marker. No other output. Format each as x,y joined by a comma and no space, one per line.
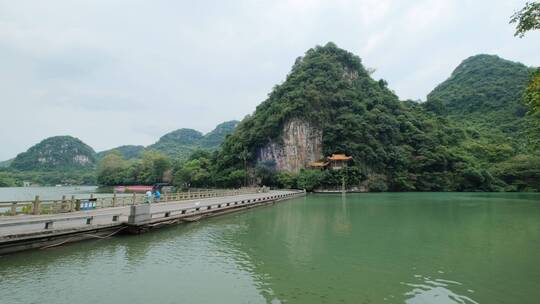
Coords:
299,143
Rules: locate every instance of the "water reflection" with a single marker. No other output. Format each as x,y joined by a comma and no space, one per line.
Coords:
285,244
355,249
342,222
318,249
436,291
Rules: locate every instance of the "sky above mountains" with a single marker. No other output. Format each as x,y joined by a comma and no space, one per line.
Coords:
126,72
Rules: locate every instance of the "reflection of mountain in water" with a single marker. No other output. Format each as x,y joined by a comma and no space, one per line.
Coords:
325,248
364,248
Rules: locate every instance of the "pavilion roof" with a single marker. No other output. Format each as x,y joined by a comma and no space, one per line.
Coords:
339,157
319,164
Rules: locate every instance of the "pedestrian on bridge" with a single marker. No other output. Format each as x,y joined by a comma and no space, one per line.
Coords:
158,195
149,197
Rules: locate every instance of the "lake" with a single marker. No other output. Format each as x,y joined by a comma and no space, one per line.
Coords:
49,193
360,248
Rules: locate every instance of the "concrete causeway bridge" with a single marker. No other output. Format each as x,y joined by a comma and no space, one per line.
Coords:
24,232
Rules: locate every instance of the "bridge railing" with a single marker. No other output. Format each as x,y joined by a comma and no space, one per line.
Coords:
71,204
179,211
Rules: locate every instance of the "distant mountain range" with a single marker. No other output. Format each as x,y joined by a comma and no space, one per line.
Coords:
70,153
127,151
472,133
181,143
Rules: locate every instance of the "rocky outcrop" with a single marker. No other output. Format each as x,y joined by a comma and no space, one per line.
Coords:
300,143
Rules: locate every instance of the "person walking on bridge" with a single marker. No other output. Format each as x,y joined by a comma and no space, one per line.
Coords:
158,195
149,197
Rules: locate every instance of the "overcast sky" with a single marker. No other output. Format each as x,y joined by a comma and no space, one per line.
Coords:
114,72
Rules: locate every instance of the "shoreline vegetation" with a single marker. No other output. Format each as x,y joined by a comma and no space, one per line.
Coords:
472,133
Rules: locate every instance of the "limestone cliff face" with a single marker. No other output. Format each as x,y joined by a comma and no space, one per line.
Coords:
300,143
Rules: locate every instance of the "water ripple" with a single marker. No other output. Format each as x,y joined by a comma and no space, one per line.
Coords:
436,291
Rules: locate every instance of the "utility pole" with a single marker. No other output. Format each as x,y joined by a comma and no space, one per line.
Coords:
244,156
343,183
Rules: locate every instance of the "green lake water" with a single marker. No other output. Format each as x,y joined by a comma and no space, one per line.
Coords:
360,248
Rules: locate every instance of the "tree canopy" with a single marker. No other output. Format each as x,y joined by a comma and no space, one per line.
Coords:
527,18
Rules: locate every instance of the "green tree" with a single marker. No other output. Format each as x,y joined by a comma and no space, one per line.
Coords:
236,178
112,169
154,165
230,178
521,172
194,173
285,180
6,180
310,179
527,19
532,94
266,172
377,185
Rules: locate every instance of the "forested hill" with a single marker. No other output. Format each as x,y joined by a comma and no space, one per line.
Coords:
396,145
179,144
480,84
67,160
53,153
213,139
5,163
127,152
483,97
67,152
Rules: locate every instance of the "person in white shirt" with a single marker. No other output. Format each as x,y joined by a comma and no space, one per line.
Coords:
149,197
